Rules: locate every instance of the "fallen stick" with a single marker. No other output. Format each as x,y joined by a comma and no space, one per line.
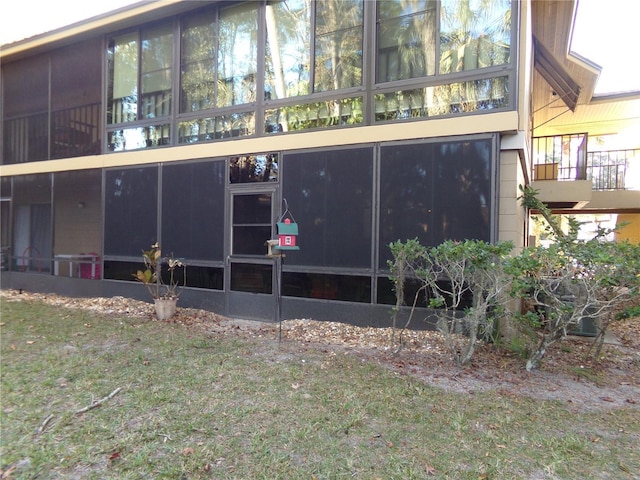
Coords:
97,403
43,425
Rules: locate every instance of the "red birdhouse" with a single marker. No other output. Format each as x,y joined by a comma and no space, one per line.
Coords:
287,234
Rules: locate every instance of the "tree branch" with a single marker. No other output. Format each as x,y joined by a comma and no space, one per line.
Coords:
97,403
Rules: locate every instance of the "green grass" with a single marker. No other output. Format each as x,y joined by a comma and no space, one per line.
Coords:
193,405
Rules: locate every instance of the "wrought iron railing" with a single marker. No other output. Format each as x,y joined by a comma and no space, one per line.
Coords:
71,132
610,170
565,158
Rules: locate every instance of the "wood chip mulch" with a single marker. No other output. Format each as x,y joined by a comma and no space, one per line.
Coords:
423,353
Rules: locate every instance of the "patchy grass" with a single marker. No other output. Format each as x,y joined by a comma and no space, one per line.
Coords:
194,405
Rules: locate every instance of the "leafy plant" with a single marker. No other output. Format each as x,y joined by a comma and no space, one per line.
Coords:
571,279
152,276
465,284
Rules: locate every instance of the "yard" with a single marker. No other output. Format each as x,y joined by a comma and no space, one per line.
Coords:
96,388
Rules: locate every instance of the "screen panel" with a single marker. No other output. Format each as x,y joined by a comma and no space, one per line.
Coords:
193,210
131,211
330,195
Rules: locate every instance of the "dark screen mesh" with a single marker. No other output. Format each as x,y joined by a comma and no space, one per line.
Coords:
330,195
193,210
131,205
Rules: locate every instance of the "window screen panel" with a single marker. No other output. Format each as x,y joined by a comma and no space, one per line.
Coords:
193,210
131,211
462,191
330,196
434,192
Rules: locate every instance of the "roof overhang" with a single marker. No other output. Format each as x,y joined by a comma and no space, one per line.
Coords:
555,75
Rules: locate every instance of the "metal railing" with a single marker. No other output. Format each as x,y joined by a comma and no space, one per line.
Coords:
565,158
70,132
609,170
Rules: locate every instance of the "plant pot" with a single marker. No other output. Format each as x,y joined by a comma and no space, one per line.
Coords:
165,308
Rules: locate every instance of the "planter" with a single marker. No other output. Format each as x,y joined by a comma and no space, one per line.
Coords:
546,171
165,308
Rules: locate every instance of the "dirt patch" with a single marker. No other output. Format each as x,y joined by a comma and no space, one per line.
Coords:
568,374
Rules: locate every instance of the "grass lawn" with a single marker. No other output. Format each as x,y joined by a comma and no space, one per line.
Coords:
193,405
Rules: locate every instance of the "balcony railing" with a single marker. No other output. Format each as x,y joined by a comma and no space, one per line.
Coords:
565,158
611,170
71,132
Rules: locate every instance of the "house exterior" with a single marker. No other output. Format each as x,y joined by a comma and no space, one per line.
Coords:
193,124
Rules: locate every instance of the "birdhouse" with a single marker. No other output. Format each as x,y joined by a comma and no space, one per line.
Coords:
287,234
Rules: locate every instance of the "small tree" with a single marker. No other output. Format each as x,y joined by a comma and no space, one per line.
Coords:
468,289
465,285
570,280
405,256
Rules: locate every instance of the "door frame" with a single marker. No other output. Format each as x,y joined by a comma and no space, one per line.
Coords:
241,304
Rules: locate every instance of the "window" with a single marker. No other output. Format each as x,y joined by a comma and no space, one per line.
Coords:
406,40
51,104
237,55
338,45
139,88
288,52
434,192
219,71
197,85
193,210
474,35
251,223
32,228
330,193
131,206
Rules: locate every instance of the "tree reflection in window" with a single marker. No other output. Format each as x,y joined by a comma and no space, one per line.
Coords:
338,47
253,168
406,40
474,34
288,48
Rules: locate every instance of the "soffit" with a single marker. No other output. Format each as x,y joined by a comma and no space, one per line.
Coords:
123,18
601,115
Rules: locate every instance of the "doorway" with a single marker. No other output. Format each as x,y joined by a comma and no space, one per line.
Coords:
250,272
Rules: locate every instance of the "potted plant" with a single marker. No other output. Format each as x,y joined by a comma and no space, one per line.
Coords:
165,295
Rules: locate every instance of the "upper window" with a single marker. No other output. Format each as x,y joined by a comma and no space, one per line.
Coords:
338,44
51,104
406,40
288,48
474,34
140,75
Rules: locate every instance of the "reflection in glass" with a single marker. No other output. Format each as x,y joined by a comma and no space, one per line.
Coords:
474,34
137,138
218,127
329,113
157,57
197,84
237,55
338,47
122,57
460,97
288,48
253,168
406,40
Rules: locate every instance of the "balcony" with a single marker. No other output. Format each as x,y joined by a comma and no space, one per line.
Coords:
71,132
569,177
